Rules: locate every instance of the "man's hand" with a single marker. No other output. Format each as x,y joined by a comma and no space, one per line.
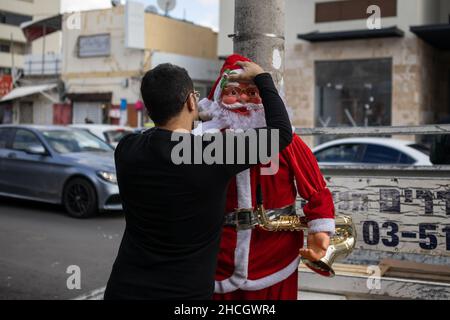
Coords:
251,70
317,246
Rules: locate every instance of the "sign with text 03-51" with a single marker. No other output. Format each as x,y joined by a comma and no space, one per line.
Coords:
405,214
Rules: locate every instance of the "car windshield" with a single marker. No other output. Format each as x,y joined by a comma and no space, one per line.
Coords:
73,141
114,136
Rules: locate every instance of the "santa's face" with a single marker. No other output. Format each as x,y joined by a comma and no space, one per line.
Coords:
241,98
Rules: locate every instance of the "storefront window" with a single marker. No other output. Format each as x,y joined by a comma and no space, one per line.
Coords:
353,93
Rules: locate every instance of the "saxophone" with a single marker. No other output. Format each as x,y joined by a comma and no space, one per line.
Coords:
342,242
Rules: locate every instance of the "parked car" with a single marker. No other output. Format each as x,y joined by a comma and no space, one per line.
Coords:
108,133
140,130
146,126
372,151
58,165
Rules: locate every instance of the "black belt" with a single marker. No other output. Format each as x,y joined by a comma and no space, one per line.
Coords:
245,219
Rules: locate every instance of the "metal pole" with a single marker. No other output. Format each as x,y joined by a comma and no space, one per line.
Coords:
13,66
43,48
259,34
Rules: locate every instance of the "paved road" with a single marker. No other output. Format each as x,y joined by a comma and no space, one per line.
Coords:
38,242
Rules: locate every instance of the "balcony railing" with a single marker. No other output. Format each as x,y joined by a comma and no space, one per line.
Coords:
36,65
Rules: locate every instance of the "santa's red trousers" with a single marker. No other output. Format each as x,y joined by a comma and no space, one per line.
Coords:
284,290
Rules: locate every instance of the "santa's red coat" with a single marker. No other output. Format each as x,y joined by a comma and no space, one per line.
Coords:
252,260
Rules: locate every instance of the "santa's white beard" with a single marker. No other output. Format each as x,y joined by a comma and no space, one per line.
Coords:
223,118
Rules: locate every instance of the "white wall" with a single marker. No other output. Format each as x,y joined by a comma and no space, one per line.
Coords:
226,27
199,69
102,74
53,43
110,21
44,9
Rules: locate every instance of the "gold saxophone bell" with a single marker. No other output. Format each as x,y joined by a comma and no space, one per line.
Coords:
341,243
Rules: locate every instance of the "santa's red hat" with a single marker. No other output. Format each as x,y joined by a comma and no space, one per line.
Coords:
228,67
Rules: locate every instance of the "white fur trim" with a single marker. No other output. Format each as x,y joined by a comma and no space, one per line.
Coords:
207,127
226,119
204,104
322,225
236,282
241,256
270,280
244,190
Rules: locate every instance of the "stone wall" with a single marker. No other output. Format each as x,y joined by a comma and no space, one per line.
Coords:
414,81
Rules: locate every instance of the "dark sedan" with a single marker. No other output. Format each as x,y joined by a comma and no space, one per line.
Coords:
58,165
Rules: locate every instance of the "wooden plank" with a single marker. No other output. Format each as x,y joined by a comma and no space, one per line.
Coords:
417,276
414,270
342,269
408,266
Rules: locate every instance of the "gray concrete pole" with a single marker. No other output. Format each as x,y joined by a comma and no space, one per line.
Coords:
259,34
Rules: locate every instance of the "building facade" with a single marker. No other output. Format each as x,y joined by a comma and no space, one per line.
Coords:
29,66
345,67
102,70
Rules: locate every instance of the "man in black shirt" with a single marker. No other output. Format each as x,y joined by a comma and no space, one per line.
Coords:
174,213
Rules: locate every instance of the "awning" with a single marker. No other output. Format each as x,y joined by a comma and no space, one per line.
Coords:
317,36
21,92
437,35
35,29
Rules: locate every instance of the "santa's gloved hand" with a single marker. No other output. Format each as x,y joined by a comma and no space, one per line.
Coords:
318,244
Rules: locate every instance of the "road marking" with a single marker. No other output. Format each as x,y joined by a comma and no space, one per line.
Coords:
96,294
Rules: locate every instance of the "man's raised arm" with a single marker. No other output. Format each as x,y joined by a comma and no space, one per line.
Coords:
277,119
274,108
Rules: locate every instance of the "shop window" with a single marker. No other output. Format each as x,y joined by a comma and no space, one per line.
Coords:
5,48
353,93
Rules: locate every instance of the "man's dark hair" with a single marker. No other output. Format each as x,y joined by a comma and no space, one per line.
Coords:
164,90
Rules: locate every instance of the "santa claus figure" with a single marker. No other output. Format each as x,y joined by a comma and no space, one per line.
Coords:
254,264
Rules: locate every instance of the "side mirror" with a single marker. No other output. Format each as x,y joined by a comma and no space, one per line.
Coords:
36,149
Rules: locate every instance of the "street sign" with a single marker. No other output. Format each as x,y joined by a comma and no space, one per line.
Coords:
98,45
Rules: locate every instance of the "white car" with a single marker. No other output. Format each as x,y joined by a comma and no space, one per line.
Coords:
363,151
109,133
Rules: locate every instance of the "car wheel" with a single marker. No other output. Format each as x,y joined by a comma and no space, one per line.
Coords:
80,198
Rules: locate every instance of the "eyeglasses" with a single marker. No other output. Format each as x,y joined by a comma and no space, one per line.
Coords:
196,96
236,91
